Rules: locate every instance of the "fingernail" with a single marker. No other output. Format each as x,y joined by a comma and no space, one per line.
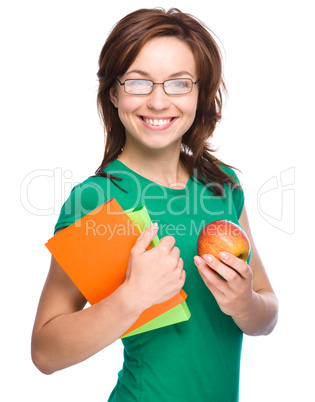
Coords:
224,255
207,258
153,228
197,260
140,236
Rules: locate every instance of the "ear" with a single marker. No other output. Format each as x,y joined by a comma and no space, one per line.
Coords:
113,96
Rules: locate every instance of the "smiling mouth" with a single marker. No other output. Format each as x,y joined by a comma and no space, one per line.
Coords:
157,122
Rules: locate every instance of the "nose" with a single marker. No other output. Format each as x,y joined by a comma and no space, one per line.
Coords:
158,99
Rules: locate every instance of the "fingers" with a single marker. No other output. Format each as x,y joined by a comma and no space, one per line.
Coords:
238,265
145,239
234,273
175,252
183,277
213,281
228,273
167,247
168,241
182,272
230,267
180,263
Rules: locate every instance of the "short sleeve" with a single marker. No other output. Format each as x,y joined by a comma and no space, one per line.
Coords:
238,197
236,191
84,198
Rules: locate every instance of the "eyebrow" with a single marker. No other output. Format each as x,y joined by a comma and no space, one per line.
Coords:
144,74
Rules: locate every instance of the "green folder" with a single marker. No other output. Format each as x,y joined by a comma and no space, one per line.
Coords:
142,220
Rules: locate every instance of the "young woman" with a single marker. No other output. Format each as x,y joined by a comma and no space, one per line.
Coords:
160,97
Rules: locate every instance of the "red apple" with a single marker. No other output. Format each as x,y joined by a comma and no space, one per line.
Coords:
223,235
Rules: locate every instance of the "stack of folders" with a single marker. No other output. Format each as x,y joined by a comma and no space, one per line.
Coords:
94,252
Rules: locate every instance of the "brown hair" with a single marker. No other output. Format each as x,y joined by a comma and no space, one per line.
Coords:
120,50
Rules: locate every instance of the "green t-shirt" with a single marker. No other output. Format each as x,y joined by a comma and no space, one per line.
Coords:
196,360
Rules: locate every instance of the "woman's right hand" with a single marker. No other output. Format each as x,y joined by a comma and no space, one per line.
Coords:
155,275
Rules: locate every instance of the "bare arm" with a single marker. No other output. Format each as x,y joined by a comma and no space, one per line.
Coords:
262,317
246,294
65,334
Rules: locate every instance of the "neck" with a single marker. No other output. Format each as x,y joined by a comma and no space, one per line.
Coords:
162,167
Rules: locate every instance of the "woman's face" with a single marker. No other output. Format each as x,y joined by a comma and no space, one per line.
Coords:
158,121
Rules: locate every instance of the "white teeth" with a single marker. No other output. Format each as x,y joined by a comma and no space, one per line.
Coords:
156,122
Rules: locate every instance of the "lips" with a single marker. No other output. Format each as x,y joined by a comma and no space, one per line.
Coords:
157,121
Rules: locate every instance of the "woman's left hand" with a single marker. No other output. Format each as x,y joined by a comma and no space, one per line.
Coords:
235,294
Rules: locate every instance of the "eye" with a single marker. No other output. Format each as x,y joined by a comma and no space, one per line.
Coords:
181,84
138,86
139,83
136,83
178,87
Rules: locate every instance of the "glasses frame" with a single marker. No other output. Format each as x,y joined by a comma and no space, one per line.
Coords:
158,83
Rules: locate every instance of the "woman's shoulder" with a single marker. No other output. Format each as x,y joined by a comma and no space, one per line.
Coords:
235,190
92,191
83,198
230,171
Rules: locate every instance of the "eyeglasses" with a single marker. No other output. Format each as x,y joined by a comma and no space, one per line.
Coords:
179,86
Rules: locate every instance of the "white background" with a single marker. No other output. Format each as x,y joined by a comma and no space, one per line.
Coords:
52,138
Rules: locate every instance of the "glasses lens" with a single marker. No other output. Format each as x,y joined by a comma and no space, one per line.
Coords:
138,87
178,87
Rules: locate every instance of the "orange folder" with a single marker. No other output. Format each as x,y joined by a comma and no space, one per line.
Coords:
94,252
